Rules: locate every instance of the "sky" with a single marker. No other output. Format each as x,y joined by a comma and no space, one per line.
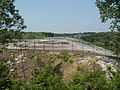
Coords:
61,16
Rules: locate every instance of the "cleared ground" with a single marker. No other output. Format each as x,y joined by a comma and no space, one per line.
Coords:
58,44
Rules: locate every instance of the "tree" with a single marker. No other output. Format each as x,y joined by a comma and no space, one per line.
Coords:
110,10
11,23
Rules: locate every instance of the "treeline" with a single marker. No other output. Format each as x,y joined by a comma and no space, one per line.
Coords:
103,39
39,35
32,35
108,40
12,34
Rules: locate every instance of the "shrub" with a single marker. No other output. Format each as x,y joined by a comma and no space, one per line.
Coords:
47,79
89,81
39,62
5,80
64,55
70,61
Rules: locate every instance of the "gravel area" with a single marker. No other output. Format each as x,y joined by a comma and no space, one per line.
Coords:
59,44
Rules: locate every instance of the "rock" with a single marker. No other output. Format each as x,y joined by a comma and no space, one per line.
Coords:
11,70
9,62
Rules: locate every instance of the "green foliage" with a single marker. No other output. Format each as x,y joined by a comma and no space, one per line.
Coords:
40,63
50,61
47,79
108,40
64,55
89,81
81,69
39,35
114,84
48,34
10,20
5,80
32,35
70,61
33,54
116,43
110,9
96,80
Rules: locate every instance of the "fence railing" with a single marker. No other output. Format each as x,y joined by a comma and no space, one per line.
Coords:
59,46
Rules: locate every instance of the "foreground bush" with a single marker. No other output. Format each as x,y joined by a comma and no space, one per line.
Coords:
46,78
5,79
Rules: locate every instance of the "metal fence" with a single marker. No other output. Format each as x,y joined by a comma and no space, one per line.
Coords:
59,46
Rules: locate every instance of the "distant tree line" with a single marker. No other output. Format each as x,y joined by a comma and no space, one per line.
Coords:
102,39
39,35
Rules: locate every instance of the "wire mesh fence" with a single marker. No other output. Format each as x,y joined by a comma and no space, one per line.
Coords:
52,46
58,46
42,46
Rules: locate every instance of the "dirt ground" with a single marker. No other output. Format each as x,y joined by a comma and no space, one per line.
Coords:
24,62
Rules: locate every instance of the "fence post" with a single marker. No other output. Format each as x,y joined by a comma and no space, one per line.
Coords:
23,69
34,45
53,47
62,46
105,49
43,46
82,46
22,61
13,55
20,47
72,46
93,45
25,45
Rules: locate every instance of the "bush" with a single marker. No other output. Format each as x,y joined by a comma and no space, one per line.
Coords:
47,79
50,61
70,61
81,69
64,55
114,83
89,81
5,80
40,63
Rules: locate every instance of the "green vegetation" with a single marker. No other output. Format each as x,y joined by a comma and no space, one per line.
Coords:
32,35
64,55
70,61
94,81
103,39
11,23
47,74
45,77
5,80
110,10
39,35
36,35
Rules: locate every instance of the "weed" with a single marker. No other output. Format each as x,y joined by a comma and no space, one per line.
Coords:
70,61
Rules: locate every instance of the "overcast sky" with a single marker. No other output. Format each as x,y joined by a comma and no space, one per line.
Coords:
62,16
